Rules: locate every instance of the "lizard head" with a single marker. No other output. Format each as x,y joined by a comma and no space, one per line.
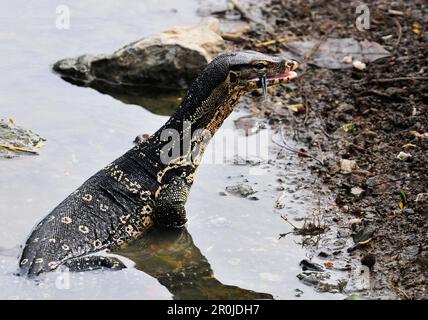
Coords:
213,95
250,70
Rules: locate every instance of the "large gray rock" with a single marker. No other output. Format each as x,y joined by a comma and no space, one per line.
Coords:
171,59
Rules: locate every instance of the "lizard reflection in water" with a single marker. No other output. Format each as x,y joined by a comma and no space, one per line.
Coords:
170,256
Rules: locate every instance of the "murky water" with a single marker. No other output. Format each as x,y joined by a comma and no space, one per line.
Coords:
230,248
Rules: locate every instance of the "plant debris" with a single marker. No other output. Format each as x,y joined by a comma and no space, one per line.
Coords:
16,141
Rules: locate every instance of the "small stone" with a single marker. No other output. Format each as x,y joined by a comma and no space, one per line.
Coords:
247,125
403,156
346,166
419,135
363,234
243,190
408,211
357,192
355,221
422,198
347,59
359,65
280,202
308,265
299,107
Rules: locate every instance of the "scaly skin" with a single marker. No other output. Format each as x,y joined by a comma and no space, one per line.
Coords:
139,190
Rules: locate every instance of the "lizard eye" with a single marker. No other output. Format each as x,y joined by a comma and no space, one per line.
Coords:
259,65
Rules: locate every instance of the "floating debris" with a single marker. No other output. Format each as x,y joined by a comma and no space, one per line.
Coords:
241,189
15,140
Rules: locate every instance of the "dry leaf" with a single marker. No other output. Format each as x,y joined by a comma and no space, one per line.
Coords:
416,28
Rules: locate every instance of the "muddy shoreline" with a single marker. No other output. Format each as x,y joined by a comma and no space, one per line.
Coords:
373,119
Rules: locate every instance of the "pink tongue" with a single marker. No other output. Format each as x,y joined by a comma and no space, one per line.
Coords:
289,75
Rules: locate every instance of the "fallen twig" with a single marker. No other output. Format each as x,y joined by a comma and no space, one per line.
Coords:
271,42
13,148
400,32
420,78
286,220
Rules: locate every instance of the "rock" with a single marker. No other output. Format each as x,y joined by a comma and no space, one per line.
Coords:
380,183
333,53
408,211
207,8
249,125
403,156
368,260
411,252
364,234
241,189
419,135
422,198
346,166
421,203
308,279
321,282
324,254
172,59
16,140
297,107
308,265
345,108
355,221
280,202
357,192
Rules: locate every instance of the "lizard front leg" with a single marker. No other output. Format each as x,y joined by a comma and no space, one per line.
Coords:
170,211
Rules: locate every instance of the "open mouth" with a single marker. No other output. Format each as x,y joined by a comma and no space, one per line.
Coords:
266,81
